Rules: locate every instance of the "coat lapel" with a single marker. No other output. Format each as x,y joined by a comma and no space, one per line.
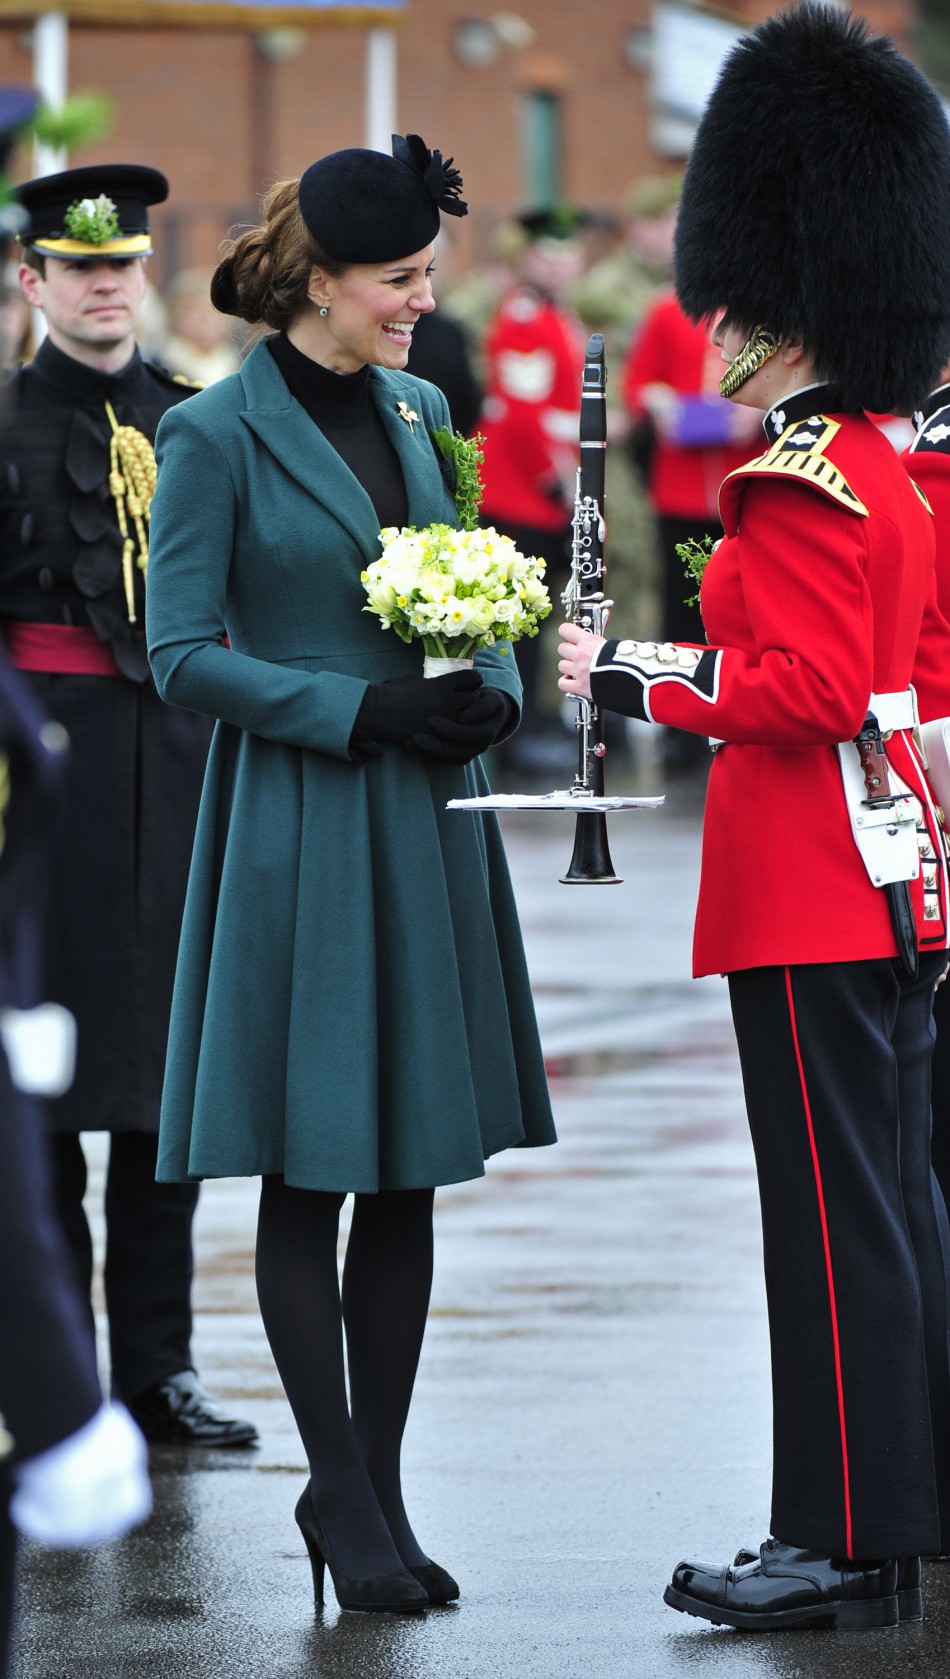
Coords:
302,450
414,447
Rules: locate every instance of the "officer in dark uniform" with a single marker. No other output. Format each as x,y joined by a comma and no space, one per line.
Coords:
76,477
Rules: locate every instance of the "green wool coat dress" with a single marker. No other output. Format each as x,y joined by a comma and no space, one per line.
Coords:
352,1006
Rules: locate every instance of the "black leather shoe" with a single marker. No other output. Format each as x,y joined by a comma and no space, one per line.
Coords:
910,1601
784,1587
178,1412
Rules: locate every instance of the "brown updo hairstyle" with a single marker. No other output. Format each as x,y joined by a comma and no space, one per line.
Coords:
264,272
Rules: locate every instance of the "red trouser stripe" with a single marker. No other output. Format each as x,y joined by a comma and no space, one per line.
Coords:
829,1269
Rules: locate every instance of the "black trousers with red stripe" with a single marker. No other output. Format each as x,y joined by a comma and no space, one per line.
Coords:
836,1068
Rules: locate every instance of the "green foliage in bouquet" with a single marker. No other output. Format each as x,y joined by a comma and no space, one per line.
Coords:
466,456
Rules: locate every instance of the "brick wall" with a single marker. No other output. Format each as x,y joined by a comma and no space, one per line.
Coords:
222,120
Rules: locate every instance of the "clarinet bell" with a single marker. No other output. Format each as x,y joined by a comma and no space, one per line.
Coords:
590,863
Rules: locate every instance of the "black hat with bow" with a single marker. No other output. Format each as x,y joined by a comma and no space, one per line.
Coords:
364,206
816,204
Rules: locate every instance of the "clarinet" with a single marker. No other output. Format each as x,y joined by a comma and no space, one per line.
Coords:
585,604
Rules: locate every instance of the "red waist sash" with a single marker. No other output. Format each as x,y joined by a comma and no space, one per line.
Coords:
67,649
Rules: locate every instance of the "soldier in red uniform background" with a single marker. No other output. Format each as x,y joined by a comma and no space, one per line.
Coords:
534,357
692,439
823,894
928,462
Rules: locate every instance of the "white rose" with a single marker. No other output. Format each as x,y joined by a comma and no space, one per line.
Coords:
535,593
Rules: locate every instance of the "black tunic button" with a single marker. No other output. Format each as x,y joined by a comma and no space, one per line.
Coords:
46,580
26,529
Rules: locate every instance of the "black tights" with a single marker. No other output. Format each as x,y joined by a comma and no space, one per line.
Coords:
353,1448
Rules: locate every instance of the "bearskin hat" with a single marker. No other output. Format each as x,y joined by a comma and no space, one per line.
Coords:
816,203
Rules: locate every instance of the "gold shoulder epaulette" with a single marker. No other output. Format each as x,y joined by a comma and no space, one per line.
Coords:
922,496
800,453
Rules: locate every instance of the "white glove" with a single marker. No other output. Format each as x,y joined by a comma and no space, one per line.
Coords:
41,1048
89,1487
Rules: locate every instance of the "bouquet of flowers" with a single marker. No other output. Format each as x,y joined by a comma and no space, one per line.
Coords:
455,589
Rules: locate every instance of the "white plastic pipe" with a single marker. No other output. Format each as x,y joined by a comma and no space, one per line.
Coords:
380,109
51,80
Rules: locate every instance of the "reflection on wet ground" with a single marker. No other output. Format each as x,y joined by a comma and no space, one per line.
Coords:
593,1399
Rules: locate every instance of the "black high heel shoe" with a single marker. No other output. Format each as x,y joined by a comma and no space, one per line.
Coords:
396,1594
436,1582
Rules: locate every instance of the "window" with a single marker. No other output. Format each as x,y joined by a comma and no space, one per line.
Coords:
541,125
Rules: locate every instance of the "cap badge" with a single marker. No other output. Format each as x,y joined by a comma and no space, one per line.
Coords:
408,414
93,220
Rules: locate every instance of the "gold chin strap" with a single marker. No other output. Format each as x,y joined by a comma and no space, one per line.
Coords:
132,482
758,348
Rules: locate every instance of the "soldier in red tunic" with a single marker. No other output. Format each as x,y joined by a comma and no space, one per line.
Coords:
534,356
823,895
694,439
928,462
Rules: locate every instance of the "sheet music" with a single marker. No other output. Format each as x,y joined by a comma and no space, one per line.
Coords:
554,801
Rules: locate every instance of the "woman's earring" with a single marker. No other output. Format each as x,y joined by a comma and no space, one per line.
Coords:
324,310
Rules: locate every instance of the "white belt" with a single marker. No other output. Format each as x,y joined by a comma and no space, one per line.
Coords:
894,711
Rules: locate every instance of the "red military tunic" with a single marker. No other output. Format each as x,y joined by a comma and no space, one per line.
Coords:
814,600
928,462
534,360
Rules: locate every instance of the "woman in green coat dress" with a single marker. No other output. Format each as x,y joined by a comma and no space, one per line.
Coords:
352,1010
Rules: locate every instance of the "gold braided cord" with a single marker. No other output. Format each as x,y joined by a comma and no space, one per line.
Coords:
758,348
132,483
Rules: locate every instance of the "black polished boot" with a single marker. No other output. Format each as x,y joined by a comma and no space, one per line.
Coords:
910,1601
179,1412
785,1588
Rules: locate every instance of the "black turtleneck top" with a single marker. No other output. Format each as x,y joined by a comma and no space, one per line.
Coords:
341,404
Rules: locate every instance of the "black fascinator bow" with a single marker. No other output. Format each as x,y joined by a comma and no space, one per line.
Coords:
441,179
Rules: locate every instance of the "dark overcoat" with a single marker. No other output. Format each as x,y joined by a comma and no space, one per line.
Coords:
121,850
352,1005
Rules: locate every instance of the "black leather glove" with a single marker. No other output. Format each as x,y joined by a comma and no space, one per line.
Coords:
452,740
392,712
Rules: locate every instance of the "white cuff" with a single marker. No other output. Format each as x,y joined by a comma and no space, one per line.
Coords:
89,1487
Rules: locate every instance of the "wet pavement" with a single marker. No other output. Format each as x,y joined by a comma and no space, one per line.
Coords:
593,1399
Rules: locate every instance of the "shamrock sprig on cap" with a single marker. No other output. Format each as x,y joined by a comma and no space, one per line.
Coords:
93,220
